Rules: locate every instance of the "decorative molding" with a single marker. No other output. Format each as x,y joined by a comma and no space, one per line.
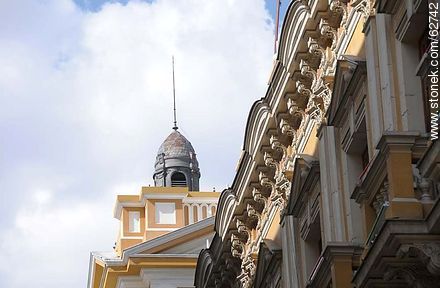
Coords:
286,128
276,145
308,72
329,32
265,181
428,253
303,91
413,275
243,230
381,197
248,268
237,246
340,8
259,197
253,214
365,7
269,161
316,50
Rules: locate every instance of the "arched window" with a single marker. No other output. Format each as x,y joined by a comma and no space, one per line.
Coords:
178,180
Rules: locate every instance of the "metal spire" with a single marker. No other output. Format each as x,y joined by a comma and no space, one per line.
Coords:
277,23
174,99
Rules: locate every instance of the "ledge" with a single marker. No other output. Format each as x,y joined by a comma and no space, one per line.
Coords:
322,270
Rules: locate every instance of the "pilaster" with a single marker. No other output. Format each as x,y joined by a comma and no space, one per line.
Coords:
289,271
333,209
341,269
401,195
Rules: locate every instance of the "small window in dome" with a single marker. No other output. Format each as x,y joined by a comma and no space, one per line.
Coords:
178,180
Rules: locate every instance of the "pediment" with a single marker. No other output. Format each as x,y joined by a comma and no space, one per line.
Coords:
269,257
193,246
346,76
306,175
187,240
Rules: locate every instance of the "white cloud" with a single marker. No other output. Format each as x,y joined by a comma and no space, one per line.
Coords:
48,246
86,101
42,196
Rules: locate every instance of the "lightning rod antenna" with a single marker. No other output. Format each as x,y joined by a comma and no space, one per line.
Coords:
277,24
174,99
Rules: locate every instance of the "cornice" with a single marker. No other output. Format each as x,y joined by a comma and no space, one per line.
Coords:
332,251
278,128
430,160
338,105
306,178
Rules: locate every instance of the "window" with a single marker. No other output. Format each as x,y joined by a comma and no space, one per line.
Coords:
165,213
311,232
134,221
178,179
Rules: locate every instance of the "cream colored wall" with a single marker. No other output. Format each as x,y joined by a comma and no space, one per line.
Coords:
125,220
205,203
341,217
151,213
356,46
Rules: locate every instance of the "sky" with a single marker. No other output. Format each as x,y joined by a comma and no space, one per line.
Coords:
86,101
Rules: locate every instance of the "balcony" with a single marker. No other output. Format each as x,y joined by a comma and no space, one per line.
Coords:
398,195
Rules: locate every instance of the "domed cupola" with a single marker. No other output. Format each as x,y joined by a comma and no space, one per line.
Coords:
176,163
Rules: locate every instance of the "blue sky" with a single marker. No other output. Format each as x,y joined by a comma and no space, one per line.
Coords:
86,100
95,5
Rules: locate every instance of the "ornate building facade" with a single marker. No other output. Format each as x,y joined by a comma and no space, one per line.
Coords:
162,229
338,182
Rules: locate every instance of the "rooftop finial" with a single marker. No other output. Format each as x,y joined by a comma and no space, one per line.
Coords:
174,99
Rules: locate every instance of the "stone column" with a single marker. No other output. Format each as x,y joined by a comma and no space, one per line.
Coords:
333,210
289,271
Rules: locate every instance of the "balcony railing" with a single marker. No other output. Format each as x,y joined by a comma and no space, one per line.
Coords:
377,225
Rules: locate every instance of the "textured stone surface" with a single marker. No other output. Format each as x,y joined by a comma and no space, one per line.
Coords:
176,145
176,154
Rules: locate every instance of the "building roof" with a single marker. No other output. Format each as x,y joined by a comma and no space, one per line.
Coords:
177,249
177,146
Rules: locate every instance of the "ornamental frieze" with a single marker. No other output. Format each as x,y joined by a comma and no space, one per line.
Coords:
265,181
339,9
286,128
310,74
428,253
248,268
254,215
328,32
237,246
259,197
365,7
243,230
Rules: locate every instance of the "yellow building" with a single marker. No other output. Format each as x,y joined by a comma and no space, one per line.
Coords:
162,229
338,183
